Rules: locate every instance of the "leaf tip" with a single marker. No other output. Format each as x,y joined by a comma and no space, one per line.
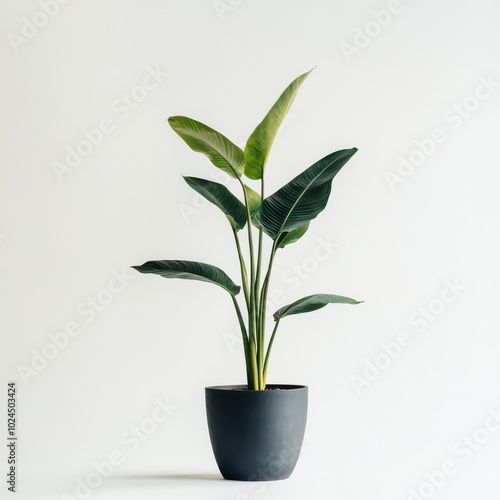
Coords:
173,121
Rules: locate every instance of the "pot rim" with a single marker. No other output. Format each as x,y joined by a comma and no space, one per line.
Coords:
286,387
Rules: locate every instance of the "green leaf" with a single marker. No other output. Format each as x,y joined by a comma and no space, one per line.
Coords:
312,303
222,198
254,200
291,237
303,198
189,270
259,143
203,139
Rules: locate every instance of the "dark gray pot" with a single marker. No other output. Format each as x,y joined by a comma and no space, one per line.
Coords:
256,435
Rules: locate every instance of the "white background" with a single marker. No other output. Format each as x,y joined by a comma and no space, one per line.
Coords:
63,238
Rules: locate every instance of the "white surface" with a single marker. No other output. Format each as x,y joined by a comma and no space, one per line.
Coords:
61,241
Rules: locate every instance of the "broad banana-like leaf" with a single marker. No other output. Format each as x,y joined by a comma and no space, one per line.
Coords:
190,270
312,303
219,149
254,200
291,237
259,143
303,198
222,198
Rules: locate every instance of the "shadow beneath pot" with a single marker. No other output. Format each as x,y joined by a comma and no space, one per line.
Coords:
180,477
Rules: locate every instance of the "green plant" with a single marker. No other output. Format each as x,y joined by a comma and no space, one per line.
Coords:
283,216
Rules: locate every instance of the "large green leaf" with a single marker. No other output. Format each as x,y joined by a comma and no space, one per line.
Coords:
312,303
203,139
259,143
222,198
254,202
303,198
190,270
293,236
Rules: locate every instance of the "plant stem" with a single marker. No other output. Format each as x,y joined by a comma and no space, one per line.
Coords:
259,255
251,366
252,313
254,385
269,350
250,238
262,318
244,276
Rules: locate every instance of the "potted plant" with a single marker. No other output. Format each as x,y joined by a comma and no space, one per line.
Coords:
256,429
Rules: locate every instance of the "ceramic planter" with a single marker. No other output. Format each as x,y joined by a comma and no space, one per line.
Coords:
256,435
